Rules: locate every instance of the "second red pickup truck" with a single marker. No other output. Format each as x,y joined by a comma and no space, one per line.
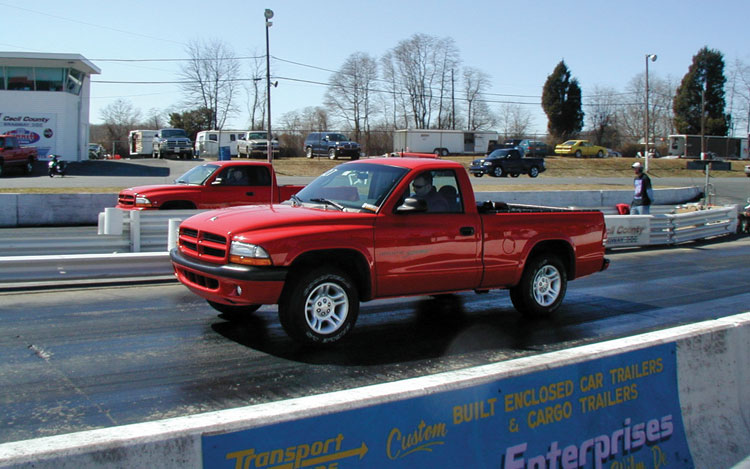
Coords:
211,185
13,154
381,228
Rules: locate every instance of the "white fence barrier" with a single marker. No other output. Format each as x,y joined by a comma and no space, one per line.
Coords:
111,254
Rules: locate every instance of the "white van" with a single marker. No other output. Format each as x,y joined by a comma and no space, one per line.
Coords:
208,142
141,142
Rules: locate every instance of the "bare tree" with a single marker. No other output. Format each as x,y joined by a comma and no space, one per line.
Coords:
514,121
349,95
475,84
739,99
256,94
211,76
601,115
421,67
309,119
120,117
631,117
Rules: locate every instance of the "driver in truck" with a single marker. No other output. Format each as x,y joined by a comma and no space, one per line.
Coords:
423,189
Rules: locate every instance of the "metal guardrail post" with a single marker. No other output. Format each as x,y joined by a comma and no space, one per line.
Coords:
135,231
172,234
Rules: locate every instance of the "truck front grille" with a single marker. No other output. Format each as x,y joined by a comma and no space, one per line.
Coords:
210,247
124,199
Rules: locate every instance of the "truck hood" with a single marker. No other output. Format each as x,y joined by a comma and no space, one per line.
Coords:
161,189
235,221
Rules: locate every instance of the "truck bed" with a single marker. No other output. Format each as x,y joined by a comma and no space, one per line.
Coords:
490,207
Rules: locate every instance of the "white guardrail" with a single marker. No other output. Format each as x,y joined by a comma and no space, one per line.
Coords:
132,244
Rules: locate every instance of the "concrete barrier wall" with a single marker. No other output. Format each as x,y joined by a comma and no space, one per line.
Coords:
710,383
84,209
53,209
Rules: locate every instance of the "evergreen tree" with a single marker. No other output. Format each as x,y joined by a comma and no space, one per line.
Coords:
561,101
707,68
193,121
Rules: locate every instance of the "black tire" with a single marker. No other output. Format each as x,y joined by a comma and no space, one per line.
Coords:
600,154
320,307
308,152
578,154
1,168
444,152
514,175
533,172
29,167
542,287
478,175
234,312
332,153
498,172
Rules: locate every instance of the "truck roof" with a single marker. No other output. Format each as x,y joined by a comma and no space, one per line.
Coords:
410,163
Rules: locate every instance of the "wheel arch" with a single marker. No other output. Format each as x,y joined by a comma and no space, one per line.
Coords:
178,205
352,262
557,247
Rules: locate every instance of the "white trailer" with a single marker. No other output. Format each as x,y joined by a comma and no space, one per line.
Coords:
141,142
443,142
208,142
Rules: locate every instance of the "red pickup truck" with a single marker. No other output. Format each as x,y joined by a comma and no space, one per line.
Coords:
212,185
379,228
13,154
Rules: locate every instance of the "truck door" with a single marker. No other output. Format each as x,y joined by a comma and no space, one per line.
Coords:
239,185
431,251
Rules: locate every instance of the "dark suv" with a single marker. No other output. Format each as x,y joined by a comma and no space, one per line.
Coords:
331,144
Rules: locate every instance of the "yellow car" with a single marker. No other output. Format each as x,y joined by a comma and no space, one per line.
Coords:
580,148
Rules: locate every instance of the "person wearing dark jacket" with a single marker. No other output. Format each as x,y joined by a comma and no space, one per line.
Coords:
643,194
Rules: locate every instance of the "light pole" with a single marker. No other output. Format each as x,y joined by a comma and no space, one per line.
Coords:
268,15
653,59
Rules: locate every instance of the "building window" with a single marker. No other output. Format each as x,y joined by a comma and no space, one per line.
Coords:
74,81
49,79
20,78
2,78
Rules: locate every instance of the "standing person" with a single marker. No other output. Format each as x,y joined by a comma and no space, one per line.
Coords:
643,194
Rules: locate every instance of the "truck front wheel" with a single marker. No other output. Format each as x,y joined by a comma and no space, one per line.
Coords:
498,171
320,307
332,153
542,287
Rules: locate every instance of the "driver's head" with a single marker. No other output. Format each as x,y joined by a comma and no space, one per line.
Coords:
422,184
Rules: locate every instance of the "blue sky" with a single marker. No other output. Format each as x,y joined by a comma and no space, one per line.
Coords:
518,43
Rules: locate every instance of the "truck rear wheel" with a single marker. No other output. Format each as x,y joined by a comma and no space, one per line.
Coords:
233,312
542,287
534,172
320,307
29,167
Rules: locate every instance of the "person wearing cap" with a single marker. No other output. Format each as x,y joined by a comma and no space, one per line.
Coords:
643,194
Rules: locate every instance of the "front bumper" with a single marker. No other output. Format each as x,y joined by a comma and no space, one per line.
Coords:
480,169
229,283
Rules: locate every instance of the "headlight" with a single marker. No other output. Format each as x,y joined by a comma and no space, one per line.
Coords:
248,254
487,163
141,201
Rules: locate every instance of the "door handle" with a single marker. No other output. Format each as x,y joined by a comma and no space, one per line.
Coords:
250,193
466,230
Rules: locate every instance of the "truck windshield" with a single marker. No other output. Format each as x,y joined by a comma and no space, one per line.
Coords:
171,133
499,154
355,186
197,175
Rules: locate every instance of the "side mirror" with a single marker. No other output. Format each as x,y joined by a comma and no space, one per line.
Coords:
412,205
217,182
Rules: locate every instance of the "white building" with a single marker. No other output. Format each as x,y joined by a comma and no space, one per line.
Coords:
44,99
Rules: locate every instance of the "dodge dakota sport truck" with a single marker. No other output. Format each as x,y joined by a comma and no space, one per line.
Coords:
379,228
211,185
13,154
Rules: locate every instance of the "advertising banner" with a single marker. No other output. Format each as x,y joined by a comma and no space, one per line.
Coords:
616,412
628,230
32,129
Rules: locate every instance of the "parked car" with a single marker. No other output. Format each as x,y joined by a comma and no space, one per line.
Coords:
507,161
331,144
580,148
96,151
747,170
614,154
533,148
